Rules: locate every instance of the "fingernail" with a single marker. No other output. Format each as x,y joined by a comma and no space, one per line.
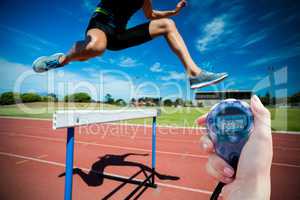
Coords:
228,180
228,171
205,146
255,98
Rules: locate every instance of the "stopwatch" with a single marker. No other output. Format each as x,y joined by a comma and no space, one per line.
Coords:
229,125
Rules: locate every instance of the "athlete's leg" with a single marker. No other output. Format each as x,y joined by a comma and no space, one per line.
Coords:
94,45
168,28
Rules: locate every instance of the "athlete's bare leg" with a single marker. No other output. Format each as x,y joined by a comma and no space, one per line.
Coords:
94,45
168,28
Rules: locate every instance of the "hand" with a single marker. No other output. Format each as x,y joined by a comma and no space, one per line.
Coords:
180,5
252,178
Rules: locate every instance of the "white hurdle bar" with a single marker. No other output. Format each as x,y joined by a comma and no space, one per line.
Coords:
72,118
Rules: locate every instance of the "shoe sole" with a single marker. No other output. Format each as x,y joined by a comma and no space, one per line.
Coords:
200,85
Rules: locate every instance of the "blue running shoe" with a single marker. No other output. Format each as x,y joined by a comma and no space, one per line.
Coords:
206,79
45,63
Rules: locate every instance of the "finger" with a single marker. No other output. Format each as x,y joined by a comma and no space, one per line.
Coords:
207,144
216,175
262,118
220,166
203,131
258,108
201,121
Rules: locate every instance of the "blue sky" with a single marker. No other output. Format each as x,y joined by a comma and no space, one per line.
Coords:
243,38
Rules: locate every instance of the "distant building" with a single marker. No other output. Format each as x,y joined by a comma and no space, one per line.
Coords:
210,98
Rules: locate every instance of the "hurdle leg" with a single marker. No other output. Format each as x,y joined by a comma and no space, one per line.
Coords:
69,164
153,149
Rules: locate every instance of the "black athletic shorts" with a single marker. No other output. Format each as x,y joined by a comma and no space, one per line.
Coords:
120,38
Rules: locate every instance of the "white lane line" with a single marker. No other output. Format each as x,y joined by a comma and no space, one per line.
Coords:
285,165
31,158
140,125
24,118
110,174
85,145
42,156
287,148
192,141
110,146
185,188
286,132
171,140
132,148
159,138
22,162
25,161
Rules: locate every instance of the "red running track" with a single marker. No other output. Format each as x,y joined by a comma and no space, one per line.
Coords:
32,156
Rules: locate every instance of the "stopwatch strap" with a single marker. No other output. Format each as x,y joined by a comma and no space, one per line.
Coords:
218,189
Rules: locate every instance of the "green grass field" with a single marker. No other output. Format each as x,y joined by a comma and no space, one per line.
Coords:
282,119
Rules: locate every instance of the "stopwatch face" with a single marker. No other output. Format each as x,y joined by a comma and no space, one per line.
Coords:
230,120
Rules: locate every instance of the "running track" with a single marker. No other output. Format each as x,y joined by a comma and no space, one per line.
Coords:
32,156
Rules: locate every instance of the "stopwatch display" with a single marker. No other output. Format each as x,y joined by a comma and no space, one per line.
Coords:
232,123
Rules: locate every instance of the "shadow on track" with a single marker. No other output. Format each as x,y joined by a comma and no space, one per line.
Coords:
95,176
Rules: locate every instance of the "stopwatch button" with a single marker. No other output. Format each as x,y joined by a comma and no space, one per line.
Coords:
233,139
222,150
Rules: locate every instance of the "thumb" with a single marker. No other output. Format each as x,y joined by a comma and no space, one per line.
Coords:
262,117
256,156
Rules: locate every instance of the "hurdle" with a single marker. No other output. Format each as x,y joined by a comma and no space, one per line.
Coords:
69,119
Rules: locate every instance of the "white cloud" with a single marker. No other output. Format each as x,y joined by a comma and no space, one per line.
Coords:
123,61
173,75
128,62
219,31
156,67
253,40
71,14
277,56
212,31
31,37
102,60
256,37
21,78
256,78
89,5
62,82
268,15
119,85
89,70
9,73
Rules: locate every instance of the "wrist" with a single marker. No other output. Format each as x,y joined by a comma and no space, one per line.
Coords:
252,188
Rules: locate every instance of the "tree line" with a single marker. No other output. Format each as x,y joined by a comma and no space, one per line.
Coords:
293,100
8,98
